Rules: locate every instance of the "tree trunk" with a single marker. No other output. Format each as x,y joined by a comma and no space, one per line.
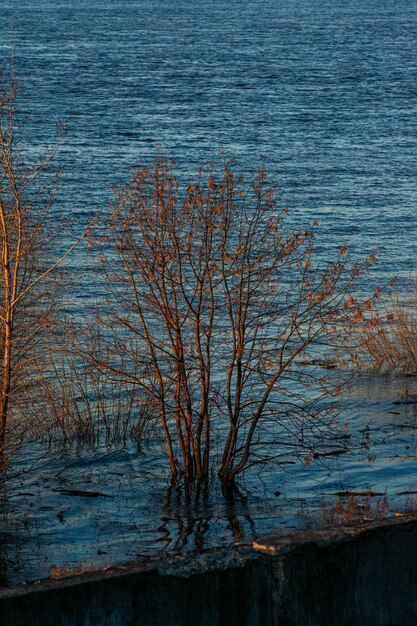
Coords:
6,380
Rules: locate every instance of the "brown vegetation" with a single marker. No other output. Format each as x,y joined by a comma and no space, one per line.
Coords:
214,317
29,283
385,338
79,403
355,507
213,305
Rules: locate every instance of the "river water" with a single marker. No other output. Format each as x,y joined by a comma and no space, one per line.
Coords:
327,92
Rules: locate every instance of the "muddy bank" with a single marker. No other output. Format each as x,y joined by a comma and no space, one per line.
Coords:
351,575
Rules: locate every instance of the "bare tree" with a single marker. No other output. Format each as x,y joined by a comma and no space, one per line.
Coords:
29,281
215,311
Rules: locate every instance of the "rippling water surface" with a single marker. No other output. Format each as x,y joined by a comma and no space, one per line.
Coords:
327,91
92,507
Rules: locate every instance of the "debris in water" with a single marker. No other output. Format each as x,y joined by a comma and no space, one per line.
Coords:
84,494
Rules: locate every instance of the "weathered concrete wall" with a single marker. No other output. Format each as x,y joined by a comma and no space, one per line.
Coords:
348,576
358,576
217,589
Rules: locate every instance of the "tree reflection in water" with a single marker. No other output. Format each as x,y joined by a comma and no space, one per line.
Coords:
187,516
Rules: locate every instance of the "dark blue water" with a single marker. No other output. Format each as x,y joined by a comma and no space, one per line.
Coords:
43,526
327,91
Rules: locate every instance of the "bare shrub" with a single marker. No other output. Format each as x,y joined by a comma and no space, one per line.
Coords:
77,403
385,338
355,507
215,310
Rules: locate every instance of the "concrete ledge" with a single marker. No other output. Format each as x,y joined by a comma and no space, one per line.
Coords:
355,575
219,587
358,575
